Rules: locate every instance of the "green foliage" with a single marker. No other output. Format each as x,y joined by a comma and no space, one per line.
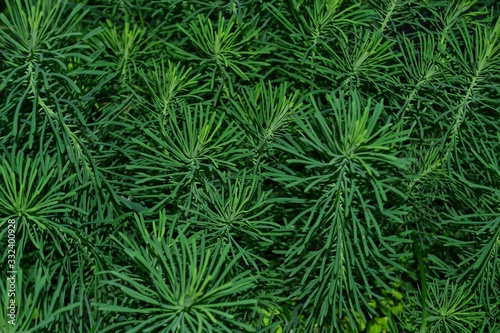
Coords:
179,284
250,166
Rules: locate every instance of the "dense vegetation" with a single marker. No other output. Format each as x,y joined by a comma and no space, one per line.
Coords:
250,166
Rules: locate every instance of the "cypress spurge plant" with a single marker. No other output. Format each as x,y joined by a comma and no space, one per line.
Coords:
226,210
341,227
36,313
187,144
239,166
180,284
221,49
32,194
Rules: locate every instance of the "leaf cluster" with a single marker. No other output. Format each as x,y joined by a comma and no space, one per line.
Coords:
251,166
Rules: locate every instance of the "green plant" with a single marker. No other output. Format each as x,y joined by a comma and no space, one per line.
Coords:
179,284
234,166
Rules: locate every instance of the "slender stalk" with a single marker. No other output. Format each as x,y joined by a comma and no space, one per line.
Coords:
140,14
423,282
